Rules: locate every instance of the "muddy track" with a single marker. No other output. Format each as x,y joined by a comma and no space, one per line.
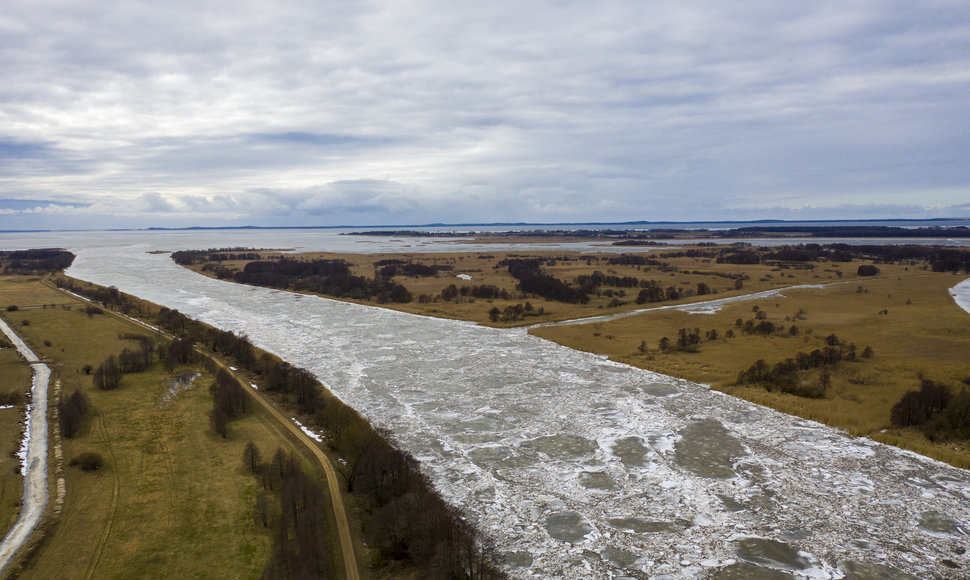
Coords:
113,510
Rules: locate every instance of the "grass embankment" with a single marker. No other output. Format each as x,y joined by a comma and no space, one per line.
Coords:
173,498
910,321
677,269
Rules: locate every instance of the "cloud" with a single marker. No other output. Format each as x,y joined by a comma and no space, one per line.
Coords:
435,111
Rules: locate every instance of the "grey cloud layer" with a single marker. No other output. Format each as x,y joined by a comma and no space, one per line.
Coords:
329,112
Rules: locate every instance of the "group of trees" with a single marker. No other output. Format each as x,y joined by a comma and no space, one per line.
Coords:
296,508
394,267
327,277
107,376
513,313
228,402
654,291
189,257
411,522
936,410
229,343
533,280
785,375
635,260
70,413
298,383
480,291
109,297
35,261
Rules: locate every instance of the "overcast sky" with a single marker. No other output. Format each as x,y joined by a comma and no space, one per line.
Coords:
135,114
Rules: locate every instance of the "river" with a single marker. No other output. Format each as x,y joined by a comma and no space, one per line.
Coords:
576,466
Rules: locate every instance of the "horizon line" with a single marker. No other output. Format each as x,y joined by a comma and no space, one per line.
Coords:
489,224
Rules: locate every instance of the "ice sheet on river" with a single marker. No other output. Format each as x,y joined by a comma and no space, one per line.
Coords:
579,467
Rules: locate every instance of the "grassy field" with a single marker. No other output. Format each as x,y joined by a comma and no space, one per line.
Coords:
173,499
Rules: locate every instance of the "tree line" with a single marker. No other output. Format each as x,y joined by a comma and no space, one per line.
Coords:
323,276
390,267
937,258
190,257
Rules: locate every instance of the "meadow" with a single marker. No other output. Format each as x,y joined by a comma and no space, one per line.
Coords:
172,498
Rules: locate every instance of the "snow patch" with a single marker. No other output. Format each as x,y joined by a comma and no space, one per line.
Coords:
309,433
961,294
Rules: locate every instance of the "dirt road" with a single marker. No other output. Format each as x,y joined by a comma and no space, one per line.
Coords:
35,473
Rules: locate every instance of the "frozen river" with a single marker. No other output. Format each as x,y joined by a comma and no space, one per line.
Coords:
579,467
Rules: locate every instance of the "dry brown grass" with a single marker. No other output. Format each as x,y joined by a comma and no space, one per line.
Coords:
682,272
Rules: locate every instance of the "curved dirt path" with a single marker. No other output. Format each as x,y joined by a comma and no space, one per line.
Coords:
35,464
339,510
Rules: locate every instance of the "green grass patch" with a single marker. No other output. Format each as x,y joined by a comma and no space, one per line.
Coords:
173,498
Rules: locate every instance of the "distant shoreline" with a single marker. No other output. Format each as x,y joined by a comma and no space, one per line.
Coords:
638,224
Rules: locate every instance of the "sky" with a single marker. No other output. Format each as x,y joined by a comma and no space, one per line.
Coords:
216,113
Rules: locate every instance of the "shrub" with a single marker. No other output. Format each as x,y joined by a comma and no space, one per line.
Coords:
88,461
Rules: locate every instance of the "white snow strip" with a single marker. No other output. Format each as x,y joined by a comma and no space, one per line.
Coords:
464,276
309,433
